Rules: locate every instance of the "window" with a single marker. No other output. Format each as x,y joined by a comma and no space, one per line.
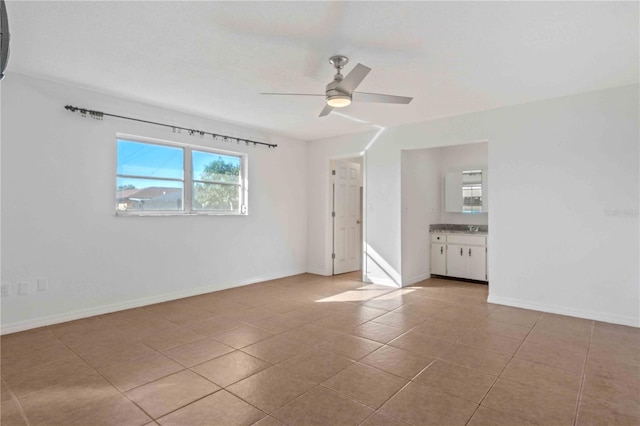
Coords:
164,178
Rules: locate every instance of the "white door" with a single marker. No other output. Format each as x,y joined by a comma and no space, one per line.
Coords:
347,221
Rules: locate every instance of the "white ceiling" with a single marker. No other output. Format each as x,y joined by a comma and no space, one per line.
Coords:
214,58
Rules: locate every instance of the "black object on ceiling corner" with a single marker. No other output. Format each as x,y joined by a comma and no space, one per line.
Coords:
4,38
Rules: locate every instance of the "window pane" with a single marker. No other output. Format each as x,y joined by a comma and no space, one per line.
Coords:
149,160
148,194
212,196
215,167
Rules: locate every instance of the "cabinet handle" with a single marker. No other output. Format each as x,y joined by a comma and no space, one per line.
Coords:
469,251
441,249
460,251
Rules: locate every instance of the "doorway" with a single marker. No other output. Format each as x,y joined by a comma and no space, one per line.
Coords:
347,214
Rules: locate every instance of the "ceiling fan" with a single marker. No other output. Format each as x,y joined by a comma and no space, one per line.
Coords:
341,91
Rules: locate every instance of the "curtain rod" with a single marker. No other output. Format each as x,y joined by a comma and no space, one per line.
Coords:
98,115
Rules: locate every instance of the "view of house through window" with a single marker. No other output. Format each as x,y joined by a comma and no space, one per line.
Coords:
153,177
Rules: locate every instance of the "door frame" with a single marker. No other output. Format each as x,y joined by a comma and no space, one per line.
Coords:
329,209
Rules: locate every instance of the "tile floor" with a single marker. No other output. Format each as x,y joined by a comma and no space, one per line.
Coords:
311,350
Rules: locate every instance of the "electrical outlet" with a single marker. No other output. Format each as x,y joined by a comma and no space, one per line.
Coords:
5,290
23,289
43,284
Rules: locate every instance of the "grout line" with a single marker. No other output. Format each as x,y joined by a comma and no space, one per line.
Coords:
584,370
502,371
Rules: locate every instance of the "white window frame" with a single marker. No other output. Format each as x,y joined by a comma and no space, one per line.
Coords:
187,180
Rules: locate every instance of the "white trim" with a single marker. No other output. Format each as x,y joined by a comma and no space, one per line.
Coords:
318,271
416,279
115,307
563,310
381,280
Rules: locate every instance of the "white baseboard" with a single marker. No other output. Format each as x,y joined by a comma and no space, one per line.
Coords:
137,303
318,272
416,279
563,310
381,280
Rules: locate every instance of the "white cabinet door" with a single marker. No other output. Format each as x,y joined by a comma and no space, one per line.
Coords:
439,259
456,261
476,262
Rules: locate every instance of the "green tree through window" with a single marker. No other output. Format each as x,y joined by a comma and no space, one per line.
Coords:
218,187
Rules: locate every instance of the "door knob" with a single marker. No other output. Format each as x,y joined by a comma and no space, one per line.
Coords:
358,221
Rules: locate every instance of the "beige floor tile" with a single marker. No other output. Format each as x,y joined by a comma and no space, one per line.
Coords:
533,404
569,343
500,328
142,370
621,397
608,369
113,352
171,392
457,380
276,324
5,393
597,415
230,368
340,322
461,316
59,401
476,358
242,336
276,349
46,375
543,376
10,414
397,361
321,407
377,332
28,340
316,365
418,405
365,384
442,329
348,346
492,342
250,316
489,417
418,343
398,320
198,351
221,408
270,389
215,325
268,421
551,355
116,411
189,316
172,338
620,354
377,419
14,362
517,316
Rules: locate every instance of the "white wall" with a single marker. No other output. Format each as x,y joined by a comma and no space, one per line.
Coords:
58,177
558,170
421,198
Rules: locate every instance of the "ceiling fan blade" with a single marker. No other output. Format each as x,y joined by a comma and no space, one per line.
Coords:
378,97
353,79
327,109
293,94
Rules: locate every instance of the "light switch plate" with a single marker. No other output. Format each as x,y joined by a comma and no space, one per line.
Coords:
5,290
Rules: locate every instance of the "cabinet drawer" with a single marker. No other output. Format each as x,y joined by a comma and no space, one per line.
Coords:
438,238
467,240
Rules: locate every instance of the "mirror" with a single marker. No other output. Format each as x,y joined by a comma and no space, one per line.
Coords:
465,192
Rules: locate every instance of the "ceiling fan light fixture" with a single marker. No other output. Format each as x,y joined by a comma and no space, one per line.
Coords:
338,101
